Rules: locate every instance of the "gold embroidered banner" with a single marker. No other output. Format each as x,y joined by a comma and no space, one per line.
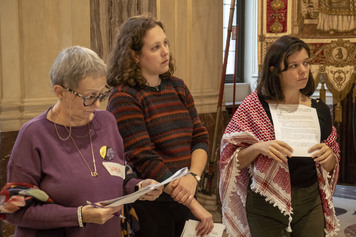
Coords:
277,16
334,64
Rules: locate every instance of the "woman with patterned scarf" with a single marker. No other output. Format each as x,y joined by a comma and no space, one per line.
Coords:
265,190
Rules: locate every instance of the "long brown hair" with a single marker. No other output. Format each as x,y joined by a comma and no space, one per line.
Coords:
122,68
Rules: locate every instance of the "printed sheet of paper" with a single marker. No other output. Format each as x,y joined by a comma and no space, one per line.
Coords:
190,225
296,125
130,198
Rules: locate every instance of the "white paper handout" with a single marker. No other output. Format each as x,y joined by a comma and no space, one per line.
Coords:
296,125
190,225
130,198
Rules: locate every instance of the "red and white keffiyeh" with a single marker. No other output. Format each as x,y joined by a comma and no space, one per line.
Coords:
250,124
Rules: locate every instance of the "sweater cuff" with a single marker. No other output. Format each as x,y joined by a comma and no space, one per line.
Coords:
165,176
130,185
203,146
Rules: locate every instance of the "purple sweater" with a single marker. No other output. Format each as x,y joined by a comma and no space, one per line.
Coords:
39,157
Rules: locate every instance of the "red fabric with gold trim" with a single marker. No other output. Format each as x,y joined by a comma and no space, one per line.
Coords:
276,18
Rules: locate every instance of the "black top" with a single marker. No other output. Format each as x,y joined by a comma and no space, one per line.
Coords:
302,169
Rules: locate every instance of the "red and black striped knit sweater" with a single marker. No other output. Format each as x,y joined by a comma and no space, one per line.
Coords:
160,127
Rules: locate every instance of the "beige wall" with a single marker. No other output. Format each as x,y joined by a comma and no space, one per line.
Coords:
195,30
31,35
33,32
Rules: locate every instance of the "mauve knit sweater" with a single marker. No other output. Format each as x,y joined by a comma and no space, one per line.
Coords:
39,157
160,127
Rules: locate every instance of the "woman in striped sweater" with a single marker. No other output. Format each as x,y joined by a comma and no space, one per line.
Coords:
157,119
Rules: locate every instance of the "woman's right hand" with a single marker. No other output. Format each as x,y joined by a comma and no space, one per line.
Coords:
97,215
152,195
206,224
184,189
277,150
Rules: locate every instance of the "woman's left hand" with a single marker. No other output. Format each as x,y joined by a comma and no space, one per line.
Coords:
152,195
184,189
324,155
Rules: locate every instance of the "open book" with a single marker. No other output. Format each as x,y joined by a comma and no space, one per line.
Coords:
130,198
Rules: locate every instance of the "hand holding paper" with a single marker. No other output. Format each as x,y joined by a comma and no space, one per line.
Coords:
323,154
296,125
206,223
130,198
151,195
275,149
190,229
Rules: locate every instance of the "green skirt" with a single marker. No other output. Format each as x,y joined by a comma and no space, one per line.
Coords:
265,220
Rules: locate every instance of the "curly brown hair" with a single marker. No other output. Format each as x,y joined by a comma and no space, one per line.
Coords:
122,68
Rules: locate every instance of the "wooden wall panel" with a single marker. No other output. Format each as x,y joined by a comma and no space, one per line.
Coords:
107,17
32,33
7,140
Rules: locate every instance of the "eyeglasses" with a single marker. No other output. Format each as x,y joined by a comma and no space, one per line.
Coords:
89,100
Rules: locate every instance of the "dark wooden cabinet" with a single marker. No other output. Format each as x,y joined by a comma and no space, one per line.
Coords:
347,141
7,140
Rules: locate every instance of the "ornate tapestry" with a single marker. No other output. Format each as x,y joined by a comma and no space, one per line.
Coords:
328,27
277,16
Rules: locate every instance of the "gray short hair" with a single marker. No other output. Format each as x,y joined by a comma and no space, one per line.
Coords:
74,64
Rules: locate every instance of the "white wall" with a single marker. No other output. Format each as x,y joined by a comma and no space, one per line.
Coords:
251,36
250,58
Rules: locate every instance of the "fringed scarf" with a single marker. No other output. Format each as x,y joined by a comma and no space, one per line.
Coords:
14,196
250,124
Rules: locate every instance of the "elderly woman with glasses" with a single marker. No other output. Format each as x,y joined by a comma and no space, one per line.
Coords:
69,155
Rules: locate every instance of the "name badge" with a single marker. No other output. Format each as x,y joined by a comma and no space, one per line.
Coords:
115,169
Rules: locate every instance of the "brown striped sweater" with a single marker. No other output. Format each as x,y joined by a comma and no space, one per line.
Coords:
160,127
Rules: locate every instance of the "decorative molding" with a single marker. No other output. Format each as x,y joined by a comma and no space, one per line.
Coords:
205,101
14,113
242,90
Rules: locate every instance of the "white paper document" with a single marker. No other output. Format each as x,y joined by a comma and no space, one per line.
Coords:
130,198
296,125
190,225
